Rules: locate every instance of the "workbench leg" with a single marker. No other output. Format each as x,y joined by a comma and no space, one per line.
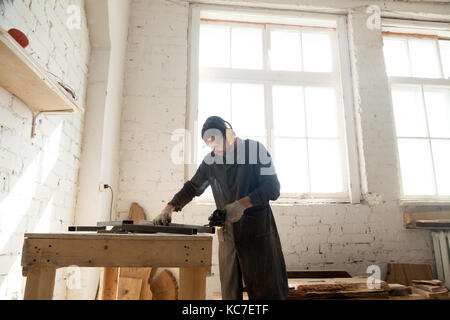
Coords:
110,283
192,283
40,283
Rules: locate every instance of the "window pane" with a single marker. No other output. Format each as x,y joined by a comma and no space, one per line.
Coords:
325,166
214,100
246,48
409,112
441,156
285,52
416,166
445,57
437,102
317,52
291,165
288,111
214,46
396,57
248,115
424,58
321,113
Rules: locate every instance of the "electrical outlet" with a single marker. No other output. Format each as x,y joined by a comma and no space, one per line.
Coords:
101,187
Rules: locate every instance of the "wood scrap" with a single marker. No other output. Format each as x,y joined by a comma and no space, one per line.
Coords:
335,288
429,294
129,288
433,282
165,287
404,273
139,273
296,274
397,290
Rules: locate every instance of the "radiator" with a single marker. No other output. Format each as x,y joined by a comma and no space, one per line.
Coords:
441,244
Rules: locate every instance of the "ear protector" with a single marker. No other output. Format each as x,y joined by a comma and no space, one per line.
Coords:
229,132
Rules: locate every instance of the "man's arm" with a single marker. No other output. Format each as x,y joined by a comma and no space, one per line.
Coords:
192,188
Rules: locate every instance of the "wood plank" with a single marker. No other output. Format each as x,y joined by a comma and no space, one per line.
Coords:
193,283
24,77
404,273
139,273
428,287
430,295
137,213
433,282
129,288
106,236
110,282
410,218
334,288
165,287
40,283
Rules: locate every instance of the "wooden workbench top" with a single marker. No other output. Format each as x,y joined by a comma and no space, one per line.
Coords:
114,236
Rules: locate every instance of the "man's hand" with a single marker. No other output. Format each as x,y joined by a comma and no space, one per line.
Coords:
165,217
234,212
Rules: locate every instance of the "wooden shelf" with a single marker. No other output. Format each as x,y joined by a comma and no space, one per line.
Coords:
21,75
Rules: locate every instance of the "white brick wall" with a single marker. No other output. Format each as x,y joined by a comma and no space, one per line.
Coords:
38,177
314,236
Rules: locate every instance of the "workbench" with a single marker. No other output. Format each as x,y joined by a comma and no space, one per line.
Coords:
44,253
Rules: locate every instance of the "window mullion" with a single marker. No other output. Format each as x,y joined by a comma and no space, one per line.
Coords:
429,140
306,140
441,65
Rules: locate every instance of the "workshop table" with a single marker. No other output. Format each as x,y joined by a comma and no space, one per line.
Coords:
44,253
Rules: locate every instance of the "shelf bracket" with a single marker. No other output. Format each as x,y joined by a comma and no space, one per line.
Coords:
37,114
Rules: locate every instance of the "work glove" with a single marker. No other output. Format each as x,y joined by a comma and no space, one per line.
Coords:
164,218
234,212
217,219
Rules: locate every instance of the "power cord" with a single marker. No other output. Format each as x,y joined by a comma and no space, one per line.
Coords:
106,186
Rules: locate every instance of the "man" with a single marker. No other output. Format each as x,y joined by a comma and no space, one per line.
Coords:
243,181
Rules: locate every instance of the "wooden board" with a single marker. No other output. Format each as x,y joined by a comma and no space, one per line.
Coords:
21,75
129,288
430,288
165,287
137,213
334,288
404,273
434,282
430,295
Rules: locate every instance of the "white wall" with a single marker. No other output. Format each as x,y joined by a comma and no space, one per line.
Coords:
314,236
38,177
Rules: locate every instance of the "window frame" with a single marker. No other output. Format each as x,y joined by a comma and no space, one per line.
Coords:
405,29
343,85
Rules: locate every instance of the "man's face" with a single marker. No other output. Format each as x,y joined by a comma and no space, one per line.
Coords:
217,145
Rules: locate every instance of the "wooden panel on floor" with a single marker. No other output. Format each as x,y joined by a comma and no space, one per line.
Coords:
192,283
165,287
404,273
40,283
129,288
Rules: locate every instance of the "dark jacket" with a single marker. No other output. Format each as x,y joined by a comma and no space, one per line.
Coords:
250,173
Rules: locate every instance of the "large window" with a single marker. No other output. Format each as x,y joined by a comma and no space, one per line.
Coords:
281,85
419,71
